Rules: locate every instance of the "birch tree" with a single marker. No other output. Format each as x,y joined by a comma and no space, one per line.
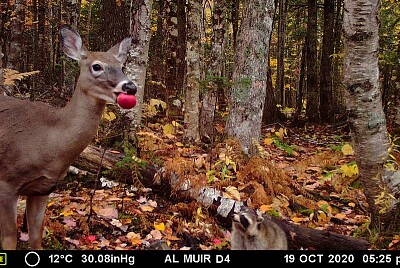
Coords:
137,63
191,117
364,100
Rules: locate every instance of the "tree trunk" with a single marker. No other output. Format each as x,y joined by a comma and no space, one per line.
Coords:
155,83
300,94
312,81
337,90
363,96
280,76
191,117
114,26
326,97
270,113
248,92
137,63
14,54
181,45
214,73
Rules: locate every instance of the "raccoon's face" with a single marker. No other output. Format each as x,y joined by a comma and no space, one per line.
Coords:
247,221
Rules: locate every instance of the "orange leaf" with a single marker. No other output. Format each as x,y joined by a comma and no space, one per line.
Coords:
340,216
265,208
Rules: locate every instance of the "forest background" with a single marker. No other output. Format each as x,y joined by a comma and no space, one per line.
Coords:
288,106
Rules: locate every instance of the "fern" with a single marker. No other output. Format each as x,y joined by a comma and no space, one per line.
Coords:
10,76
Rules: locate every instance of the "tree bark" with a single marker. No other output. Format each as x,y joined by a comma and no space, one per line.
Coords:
214,73
14,54
191,116
312,109
364,101
136,65
280,76
248,92
326,97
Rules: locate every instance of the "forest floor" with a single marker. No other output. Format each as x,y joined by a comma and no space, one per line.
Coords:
306,176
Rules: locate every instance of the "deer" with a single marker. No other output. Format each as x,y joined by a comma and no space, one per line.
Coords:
39,142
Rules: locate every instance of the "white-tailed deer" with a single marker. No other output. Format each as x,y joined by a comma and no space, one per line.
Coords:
39,142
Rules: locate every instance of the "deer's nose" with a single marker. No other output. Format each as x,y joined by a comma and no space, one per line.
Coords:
129,88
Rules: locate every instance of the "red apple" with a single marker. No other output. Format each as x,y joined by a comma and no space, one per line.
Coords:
126,101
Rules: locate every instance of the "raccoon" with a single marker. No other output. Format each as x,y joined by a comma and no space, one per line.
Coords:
251,231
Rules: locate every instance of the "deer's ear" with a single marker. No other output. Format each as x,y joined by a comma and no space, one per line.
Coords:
120,51
71,43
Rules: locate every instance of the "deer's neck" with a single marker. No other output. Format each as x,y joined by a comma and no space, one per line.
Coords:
82,114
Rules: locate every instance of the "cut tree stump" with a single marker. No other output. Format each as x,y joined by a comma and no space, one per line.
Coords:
167,184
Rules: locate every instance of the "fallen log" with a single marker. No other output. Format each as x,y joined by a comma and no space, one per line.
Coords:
167,183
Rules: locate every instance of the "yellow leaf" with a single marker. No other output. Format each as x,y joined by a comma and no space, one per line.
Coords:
168,129
109,116
51,203
156,102
351,204
179,144
200,212
349,170
298,219
268,141
176,124
159,226
347,149
66,213
282,132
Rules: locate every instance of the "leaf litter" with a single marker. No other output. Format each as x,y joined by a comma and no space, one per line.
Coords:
307,177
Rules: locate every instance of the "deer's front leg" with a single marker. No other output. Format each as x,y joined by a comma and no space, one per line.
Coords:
35,210
8,220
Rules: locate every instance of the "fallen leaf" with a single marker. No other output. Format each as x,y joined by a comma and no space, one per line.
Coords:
168,129
24,237
265,208
91,238
233,191
159,226
268,141
219,128
179,144
347,149
134,238
66,213
299,219
104,242
108,212
153,203
70,223
340,216
156,234
116,223
72,241
146,208
142,199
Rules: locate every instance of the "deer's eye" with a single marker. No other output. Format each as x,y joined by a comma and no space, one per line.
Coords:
97,67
